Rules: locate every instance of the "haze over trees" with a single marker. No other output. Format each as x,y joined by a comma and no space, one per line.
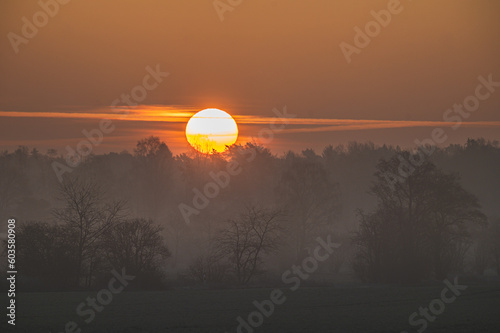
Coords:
420,227
122,209
86,216
245,240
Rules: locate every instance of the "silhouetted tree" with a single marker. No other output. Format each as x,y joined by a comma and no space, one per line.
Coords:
419,227
210,268
154,171
482,251
493,243
89,216
258,172
46,253
311,198
245,240
137,245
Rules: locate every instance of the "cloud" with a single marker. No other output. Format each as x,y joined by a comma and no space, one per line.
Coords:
169,114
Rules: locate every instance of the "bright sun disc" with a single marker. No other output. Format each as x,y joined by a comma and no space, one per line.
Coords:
211,129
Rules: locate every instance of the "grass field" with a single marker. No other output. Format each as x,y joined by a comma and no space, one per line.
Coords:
346,309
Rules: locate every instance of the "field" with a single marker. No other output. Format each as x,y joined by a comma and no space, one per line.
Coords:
341,309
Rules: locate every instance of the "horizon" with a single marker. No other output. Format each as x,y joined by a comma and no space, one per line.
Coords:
294,136
189,150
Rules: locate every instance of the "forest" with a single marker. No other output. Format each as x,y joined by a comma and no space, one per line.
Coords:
245,216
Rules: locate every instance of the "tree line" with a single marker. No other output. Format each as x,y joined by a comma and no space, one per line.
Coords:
122,210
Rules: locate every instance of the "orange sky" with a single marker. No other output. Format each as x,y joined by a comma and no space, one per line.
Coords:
266,54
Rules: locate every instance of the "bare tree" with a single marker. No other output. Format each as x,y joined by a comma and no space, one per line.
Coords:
245,240
210,268
136,244
87,214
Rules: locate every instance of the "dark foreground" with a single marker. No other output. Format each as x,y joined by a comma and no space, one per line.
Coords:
348,309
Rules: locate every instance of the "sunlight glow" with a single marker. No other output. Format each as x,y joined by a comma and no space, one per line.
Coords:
211,129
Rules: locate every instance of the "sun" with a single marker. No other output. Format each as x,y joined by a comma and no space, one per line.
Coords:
211,130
